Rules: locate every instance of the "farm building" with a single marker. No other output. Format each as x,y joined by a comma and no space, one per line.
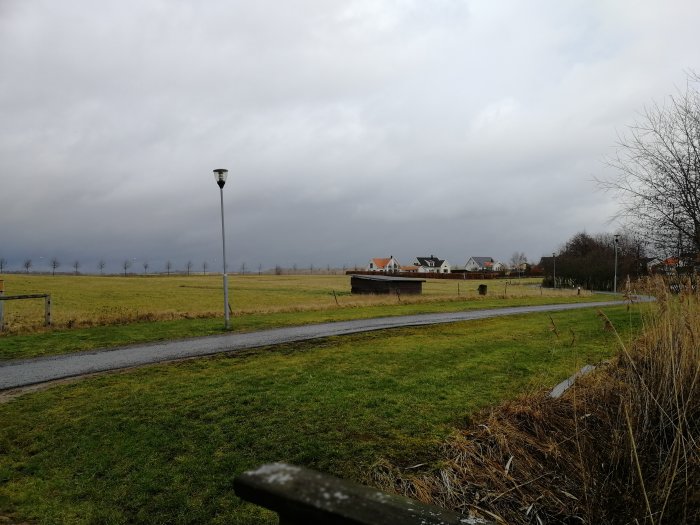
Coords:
380,284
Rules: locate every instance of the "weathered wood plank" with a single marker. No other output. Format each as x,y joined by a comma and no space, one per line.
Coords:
24,296
567,383
301,495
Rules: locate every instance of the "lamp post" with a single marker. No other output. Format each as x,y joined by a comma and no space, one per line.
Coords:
617,239
554,270
220,177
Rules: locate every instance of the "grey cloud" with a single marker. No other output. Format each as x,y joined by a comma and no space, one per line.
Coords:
350,129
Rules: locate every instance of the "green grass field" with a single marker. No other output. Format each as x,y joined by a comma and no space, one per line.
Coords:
89,300
95,312
161,444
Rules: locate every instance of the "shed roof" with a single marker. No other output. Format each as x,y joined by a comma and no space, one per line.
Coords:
388,278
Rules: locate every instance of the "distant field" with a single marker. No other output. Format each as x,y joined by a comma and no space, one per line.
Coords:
83,301
92,312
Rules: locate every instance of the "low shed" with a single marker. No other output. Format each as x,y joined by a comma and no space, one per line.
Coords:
380,284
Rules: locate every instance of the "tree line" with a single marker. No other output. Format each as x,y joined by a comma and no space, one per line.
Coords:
130,267
126,265
589,261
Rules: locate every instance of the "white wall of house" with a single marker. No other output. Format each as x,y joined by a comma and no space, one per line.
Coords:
393,265
472,265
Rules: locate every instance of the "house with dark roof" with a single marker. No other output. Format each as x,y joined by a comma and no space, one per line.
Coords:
432,265
479,264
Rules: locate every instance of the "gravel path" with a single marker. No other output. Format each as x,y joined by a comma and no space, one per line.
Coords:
21,373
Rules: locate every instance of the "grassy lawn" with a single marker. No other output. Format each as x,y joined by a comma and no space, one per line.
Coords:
96,312
161,444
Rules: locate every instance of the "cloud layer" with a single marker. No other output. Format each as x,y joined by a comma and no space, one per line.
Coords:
351,129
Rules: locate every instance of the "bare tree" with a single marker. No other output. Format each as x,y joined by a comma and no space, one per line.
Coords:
205,265
168,266
517,260
658,164
188,266
278,269
27,264
101,266
76,265
145,267
54,264
3,263
243,268
126,264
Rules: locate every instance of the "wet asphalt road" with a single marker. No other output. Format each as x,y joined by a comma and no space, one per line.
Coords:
25,372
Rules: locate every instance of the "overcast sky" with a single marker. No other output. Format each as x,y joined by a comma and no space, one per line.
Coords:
350,129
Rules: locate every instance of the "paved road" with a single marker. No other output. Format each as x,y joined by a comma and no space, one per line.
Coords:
25,372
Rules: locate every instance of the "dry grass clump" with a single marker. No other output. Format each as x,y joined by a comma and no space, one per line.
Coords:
26,324
619,447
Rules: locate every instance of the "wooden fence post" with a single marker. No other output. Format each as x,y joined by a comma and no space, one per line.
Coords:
47,310
2,306
45,296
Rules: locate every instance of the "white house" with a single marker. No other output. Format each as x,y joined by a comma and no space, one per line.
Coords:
479,264
384,265
432,265
498,266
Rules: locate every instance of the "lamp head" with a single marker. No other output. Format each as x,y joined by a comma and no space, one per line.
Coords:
220,177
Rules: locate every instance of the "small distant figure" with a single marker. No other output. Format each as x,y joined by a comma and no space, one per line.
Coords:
578,290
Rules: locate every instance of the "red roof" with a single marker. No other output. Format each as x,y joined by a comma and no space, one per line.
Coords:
381,262
671,261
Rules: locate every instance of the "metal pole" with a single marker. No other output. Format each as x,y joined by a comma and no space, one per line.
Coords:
615,280
227,324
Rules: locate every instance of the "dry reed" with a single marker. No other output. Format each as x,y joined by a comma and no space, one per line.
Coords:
619,447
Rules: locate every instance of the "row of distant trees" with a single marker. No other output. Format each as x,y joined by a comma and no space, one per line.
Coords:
126,265
129,266
589,261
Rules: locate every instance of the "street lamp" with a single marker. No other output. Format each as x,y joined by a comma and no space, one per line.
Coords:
220,177
617,240
554,270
